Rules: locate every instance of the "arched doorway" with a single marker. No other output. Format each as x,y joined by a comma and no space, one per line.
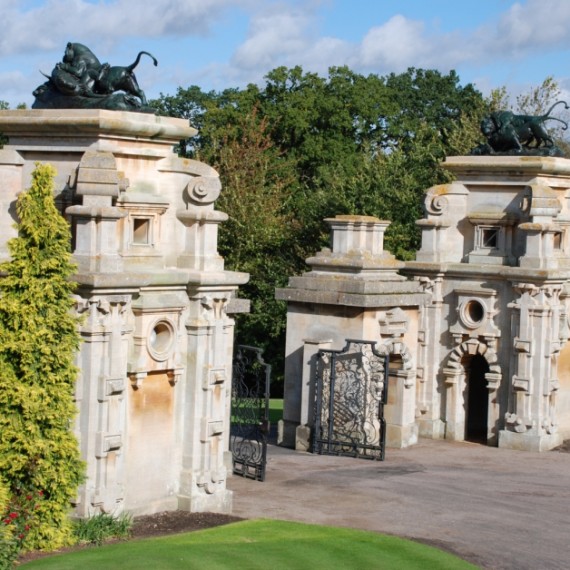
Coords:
476,399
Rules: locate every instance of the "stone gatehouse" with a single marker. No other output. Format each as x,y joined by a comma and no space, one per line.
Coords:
157,334
476,327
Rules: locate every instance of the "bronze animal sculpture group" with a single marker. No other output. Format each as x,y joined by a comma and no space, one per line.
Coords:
80,80
508,133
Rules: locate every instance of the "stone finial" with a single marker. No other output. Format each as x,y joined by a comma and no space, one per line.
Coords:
357,234
357,247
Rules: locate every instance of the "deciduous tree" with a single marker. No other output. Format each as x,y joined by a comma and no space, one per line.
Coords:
303,147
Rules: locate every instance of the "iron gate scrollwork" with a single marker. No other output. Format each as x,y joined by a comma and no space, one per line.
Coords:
250,412
351,391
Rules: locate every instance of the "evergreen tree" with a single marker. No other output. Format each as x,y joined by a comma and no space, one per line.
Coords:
38,342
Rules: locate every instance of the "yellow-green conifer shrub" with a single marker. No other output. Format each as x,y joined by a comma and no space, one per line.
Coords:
39,454
6,540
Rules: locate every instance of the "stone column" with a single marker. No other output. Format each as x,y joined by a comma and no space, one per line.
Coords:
541,231
96,236
401,427
311,348
445,206
454,410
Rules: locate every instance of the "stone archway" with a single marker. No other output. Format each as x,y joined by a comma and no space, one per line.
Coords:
458,374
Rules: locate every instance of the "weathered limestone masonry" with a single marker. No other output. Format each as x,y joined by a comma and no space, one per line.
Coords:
493,360
478,335
155,360
353,291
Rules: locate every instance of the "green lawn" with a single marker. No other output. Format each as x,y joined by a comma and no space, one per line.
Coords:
275,410
263,545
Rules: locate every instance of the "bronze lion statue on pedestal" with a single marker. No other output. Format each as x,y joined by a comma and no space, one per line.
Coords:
81,81
512,134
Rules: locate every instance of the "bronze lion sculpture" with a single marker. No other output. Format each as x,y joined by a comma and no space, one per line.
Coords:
509,133
80,80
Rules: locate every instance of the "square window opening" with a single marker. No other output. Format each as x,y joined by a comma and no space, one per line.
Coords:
490,238
141,231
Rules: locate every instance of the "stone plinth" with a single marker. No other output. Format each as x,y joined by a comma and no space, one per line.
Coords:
155,361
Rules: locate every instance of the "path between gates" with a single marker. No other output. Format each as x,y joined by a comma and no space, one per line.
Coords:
497,508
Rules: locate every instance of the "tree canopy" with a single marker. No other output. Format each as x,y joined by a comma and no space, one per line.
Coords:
303,147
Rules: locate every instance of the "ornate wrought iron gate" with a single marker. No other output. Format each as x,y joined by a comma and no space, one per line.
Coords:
250,412
350,394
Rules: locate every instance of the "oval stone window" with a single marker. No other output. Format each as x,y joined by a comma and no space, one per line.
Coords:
472,313
160,340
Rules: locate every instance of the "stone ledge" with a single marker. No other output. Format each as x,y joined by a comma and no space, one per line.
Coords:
77,122
371,284
320,297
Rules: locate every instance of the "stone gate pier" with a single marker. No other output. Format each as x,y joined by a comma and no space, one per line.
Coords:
477,327
157,334
353,291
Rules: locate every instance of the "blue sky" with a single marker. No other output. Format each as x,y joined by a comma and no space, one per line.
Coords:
228,43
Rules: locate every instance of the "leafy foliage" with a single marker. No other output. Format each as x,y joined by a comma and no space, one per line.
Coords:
302,148
257,184
38,343
18,520
8,546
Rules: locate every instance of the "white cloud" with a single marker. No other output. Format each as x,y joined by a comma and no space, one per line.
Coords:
281,32
285,36
536,25
393,45
274,34
53,23
12,85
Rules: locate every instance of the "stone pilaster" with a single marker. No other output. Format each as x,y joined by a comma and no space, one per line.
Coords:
531,420
428,414
203,477
101,398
